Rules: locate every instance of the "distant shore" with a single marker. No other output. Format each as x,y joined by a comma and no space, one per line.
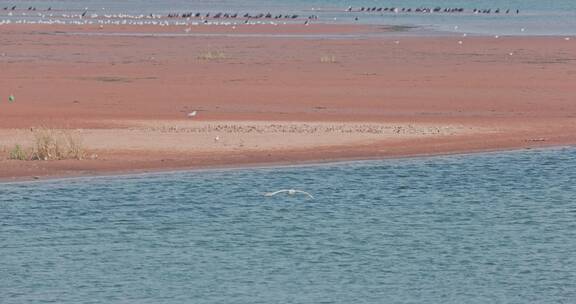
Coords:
259,101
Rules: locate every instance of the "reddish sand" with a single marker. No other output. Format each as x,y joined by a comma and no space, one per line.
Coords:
284,99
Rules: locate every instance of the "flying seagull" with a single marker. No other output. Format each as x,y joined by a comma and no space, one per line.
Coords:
289,191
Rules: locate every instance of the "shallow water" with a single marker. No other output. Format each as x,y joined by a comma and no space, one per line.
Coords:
486,228
555,17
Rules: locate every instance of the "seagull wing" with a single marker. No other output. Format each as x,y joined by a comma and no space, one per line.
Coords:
304,192
288,191
274,193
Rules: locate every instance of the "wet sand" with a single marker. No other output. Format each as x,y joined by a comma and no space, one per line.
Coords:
277,99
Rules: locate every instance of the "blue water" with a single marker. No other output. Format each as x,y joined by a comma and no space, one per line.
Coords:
553,17
487,228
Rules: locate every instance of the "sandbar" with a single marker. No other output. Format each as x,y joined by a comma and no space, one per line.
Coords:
360,92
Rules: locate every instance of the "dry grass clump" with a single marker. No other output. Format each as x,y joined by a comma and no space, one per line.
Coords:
212,55
50,144
328,59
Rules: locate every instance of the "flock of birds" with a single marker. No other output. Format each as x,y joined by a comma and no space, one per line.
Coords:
221,15
86,16
437,9
186,15
86,13
30,8
50,15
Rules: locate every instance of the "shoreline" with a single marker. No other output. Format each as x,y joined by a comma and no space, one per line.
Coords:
272,165
268,30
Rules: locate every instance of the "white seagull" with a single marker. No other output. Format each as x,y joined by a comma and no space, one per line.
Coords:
289,191
192,114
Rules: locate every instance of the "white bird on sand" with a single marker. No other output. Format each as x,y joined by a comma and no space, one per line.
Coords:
192,114
289,191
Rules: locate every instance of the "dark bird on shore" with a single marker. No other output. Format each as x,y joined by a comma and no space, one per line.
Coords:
84,13
14,7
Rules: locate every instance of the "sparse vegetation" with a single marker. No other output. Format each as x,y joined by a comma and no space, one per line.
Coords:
212,55
328,59
50,144
18,153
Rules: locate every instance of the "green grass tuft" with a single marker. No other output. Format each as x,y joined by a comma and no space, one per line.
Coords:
18,153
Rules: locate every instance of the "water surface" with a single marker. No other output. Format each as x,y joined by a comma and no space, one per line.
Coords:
487,228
